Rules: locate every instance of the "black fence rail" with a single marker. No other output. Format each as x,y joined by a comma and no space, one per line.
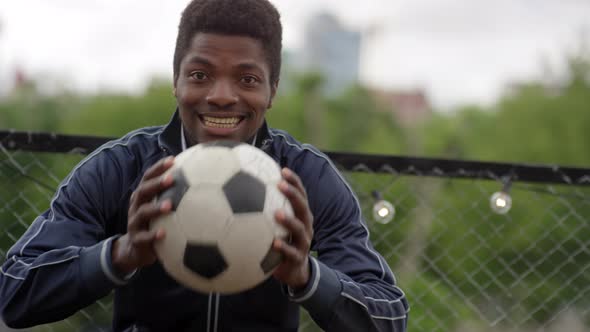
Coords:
467,259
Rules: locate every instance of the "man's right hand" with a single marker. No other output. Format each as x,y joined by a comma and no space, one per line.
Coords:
136,248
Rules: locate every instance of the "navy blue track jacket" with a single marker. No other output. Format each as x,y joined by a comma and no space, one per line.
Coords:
62,263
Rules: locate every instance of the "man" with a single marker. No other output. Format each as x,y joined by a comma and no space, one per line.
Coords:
95,237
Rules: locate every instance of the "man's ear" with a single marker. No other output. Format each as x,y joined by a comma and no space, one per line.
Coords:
174,88
273,91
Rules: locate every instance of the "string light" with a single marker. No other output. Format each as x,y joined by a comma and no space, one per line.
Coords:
383,211
500,201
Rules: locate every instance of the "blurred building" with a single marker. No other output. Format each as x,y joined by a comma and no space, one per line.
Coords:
408,107
332,50
16,82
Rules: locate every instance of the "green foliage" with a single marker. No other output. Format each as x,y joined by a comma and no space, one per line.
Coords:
32,112
537,122
349,122
115,115
435,306
356,124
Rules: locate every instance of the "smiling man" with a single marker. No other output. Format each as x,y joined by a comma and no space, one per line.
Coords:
223,87
95,236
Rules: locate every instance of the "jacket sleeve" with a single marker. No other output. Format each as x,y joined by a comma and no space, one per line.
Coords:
62,262
351,286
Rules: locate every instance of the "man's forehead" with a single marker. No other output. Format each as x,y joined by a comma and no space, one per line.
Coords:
220,42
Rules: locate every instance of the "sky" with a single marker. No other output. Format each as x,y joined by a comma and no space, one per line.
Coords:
457,51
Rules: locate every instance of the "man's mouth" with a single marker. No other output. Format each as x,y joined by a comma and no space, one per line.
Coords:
221,122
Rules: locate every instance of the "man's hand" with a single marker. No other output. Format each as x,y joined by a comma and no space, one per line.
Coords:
294,270
136,248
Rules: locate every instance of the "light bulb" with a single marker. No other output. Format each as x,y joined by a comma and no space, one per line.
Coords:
383,211
500,202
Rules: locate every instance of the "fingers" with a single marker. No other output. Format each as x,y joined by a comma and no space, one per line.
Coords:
294,180
289,252
294,226
293,189
133,252
148,189
147,212
158,168
152,183
300,237
294,271
146,238
142,210
143,252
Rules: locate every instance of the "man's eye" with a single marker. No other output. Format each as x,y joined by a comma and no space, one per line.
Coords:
199,76
250,80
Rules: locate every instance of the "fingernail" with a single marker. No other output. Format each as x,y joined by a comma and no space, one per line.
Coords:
283,185
276,243
286,172
166,205
280,215
160,234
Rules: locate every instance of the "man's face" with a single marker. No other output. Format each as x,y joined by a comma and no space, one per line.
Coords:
223,88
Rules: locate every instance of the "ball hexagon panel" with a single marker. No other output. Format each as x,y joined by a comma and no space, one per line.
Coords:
204,213
177,190
214,166
244,193
204,259
258,164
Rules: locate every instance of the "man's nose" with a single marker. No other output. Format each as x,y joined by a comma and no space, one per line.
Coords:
222,94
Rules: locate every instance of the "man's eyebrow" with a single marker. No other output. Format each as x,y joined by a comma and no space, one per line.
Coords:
250,66
246,65
199,60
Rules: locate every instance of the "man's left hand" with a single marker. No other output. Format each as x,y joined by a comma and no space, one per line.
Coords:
294,270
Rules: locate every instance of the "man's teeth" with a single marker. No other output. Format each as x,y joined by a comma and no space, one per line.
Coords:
221,122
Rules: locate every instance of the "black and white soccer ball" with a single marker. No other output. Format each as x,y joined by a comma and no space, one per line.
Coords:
220,232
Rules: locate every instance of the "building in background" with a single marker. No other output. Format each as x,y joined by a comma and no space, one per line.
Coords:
408,107
332,50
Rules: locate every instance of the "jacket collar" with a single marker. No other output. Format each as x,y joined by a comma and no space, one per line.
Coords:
170,139
263,137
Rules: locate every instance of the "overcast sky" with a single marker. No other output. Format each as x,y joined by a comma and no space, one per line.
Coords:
459,51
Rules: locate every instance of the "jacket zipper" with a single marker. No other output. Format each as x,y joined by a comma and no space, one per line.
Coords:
212,312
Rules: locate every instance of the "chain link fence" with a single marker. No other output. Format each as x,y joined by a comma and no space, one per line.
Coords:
462,266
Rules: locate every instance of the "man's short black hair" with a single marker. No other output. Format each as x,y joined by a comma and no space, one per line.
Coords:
258,19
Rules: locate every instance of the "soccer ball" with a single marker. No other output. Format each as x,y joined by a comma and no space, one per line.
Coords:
220,232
